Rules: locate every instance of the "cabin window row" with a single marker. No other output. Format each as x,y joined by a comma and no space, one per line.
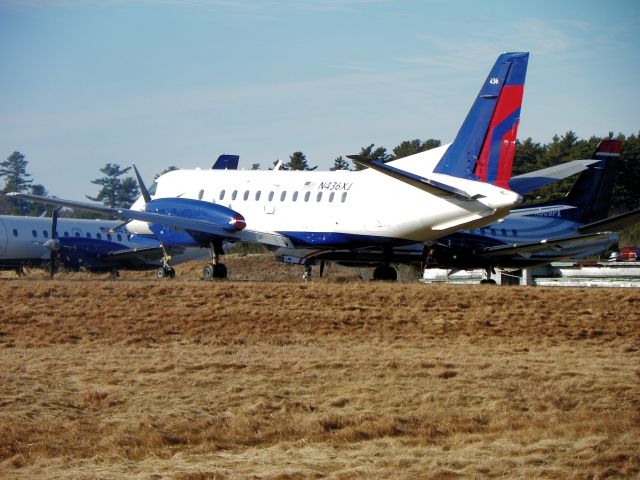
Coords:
45,234
284,195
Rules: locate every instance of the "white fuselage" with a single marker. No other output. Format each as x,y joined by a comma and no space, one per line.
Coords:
357,203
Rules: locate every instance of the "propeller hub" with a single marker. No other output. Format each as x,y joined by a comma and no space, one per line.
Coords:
52,244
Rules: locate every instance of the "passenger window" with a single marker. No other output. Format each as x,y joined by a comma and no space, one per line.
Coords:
344,196
319,196
66,234
246,195
234,194
15,232
119,237
222,195
34,233
514,232
270,196
99,236
306,196
258,195
45,234
504,232
201,194
77,234
331,195
283,195
109,236
88,234
295,196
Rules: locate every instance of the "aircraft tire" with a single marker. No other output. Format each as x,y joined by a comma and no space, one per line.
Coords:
163,272
208,271
385,273
220,270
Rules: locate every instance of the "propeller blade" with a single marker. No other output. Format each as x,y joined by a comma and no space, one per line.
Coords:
53,256
321,267
143,190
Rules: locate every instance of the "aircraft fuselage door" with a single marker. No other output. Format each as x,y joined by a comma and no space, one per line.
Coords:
3,237
273,195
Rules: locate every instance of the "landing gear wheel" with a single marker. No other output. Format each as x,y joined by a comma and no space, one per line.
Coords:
219,270
385,273
207,271
211,271
489,281
164,272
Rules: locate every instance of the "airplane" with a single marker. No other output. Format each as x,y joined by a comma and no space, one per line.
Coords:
78,244
468,186
573,227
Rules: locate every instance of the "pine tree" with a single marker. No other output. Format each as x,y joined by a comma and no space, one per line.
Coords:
340,164
114,192
297,161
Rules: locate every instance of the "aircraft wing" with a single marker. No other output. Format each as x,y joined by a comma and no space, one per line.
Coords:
528,249
613,223
247,235
530,181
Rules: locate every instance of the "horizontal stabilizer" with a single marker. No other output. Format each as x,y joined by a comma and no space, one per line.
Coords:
613,224
527,249
428,185
530,181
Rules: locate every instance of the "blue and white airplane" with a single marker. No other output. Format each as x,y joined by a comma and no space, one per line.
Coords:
466,186
575,226
92,245
78,244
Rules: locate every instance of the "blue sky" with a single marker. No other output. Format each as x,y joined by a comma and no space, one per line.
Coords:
164,82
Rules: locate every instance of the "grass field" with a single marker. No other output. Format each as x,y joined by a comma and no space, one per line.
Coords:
338,378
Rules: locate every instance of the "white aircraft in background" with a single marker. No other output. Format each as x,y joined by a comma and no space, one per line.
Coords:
413,199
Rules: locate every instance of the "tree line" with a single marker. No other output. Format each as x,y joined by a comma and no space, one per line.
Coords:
116,189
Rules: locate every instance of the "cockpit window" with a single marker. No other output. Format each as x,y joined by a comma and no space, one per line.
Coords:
153,188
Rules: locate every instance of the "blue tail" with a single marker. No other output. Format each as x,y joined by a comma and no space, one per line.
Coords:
591,193
484,148
226,162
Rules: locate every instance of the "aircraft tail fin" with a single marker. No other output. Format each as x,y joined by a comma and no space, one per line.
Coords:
226,162
484,148
591,192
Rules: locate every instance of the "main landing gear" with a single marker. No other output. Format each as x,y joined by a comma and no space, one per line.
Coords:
385,272
215,269
488,280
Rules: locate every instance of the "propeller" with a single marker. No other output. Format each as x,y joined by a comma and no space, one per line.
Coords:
143,190
53,244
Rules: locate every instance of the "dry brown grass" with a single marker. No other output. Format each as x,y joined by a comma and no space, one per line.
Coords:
334,379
